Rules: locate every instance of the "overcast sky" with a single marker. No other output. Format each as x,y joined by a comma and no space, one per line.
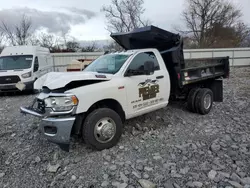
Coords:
83,19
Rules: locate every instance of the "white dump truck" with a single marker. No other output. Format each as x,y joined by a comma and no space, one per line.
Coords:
118,86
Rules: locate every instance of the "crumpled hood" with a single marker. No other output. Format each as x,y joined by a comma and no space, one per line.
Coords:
55,80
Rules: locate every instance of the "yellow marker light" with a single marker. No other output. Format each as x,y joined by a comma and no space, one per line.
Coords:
74,100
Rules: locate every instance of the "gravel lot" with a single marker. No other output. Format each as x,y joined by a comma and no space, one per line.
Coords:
167,148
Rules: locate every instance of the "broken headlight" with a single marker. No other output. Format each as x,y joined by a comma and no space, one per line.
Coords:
61,103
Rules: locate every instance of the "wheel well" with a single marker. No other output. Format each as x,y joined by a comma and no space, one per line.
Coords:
109,103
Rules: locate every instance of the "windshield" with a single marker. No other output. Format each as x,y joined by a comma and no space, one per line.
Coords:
15,62
110,63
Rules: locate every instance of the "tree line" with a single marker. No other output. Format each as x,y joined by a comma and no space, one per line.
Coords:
214,24
208,24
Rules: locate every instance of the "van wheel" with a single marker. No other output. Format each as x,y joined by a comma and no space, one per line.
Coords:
102,129
204,101
191,99
35,91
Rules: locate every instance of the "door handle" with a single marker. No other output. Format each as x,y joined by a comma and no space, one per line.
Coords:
159,77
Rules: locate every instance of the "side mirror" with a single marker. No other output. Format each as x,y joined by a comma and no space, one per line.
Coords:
149,67
84,67
129,73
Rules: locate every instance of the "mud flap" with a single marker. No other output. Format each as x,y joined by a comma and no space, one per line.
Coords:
64,147
217,87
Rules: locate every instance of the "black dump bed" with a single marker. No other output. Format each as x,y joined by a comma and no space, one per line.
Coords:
170,46
147,37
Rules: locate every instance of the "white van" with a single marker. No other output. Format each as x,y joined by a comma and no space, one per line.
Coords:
20,66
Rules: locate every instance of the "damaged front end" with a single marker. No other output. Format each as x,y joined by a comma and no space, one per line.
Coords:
58,113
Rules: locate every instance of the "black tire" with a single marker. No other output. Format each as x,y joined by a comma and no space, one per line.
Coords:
89,126
31,90
35,91
191,99
200,101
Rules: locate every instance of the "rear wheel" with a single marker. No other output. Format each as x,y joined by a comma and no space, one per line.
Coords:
204,101
191,99
102,129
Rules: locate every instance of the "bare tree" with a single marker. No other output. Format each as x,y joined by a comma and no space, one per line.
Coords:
92,47
18,34
219,36
72,46
22,31
189,43
1,37
8,32
1,41
65,38
34,40
243,32
47,40
206,17
246,42
125,15
112,46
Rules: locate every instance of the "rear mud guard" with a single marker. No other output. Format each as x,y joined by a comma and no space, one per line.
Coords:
217,87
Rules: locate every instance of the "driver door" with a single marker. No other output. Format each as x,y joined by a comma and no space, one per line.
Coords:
143,94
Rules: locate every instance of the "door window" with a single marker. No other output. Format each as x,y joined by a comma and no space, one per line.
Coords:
36,64
137,64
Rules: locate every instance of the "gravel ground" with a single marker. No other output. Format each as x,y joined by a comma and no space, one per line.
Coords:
168,148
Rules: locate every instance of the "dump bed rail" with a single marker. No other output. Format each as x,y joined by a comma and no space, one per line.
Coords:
202,69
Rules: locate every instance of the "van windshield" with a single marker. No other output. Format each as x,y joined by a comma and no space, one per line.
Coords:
110,63
16,62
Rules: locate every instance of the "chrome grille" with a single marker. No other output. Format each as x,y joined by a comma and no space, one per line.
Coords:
9,79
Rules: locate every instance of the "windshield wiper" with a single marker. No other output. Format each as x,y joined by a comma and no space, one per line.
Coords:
105,72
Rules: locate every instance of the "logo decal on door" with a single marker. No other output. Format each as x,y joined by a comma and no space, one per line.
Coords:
148,89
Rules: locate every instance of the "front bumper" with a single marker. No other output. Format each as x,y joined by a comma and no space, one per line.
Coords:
8,87
55,129
12,87
58,130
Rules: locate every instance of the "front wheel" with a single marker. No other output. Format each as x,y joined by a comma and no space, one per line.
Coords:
102,129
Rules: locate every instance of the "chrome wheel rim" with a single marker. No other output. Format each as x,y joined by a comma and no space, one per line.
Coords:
207,101
105,130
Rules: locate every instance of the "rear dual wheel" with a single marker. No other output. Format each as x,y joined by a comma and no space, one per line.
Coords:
200,100
191,99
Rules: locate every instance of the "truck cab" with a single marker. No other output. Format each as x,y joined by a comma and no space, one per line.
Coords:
118,86
138,91
20,66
